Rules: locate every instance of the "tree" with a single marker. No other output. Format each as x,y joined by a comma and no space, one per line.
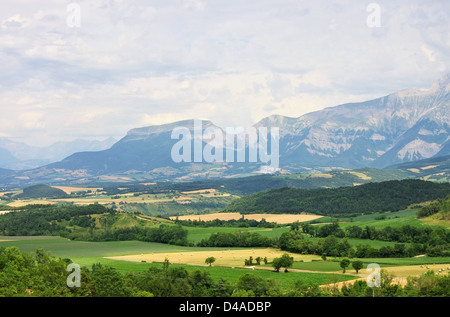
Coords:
210,260
357,265
254,283
295,226
284,261
344,263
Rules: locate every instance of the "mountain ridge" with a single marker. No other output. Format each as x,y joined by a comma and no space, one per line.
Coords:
407,125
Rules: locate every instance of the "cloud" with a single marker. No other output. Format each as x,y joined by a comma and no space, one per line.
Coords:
428,53
15,21
133,63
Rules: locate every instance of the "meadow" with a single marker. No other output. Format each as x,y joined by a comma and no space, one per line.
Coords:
139,256
89,253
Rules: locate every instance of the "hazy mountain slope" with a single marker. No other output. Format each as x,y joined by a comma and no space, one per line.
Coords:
6,158
141,149
27,157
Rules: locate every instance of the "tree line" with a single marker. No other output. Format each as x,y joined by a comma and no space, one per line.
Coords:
36,220
236,239
432,235
238,223
333,241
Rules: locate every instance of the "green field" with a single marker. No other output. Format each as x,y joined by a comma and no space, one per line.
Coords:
410,220
394,214
60,247
89,253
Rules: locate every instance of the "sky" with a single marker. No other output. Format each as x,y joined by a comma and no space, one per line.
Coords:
97,68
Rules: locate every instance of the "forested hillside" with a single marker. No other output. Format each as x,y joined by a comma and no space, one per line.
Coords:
363,199
42,191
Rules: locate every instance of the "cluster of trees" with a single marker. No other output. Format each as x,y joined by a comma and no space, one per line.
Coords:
258,260
354,200
36,220
285,261
239,223
236,239
357,265
296,241
441,206
171,234
39,274
431,235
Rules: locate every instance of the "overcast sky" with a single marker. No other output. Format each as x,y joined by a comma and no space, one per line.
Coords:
135,63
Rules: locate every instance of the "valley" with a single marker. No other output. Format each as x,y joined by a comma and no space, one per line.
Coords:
138,227
358,185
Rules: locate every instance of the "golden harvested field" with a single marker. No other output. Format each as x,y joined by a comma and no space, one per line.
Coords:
70,189
201,191
206,193
21,203
231,258
115,178
208,217
107,200
322,175
415,270
428,167
278,218
360,175
402,272
282,218
339,285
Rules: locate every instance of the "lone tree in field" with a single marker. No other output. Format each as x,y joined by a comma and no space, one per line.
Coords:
344,263
284,261
357,265
210,260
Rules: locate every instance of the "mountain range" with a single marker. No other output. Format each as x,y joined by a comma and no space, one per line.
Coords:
404,126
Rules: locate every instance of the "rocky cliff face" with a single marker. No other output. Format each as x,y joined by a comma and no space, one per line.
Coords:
404,126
